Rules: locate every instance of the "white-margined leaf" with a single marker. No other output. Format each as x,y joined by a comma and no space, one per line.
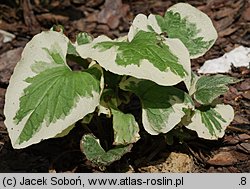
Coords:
183,21
210,123
45,96
94,152
207,88
126,129
162,106
144,23
148,56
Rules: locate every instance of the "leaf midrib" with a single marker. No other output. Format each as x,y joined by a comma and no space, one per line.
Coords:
41,99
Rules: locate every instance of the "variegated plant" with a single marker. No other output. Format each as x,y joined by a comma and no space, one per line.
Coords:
45,97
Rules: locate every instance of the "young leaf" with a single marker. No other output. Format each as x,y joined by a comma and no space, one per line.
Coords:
148,56
162,107
83,38
144,23
182,21
207,88
44,96
210,123
126,129
91,147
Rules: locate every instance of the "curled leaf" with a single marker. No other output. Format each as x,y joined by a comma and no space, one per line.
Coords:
91,147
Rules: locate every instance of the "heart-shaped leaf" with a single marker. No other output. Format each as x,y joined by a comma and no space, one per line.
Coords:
45,96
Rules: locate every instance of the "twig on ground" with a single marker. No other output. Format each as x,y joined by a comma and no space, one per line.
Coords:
233,128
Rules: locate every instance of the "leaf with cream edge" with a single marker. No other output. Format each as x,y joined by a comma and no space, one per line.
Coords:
148,56
207,88
162,107
94,152
210,123
44,96
183,21
126,129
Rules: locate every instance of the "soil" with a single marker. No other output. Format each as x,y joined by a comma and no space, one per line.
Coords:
25,18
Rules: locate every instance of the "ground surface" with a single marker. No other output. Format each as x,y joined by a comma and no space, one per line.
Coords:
27,18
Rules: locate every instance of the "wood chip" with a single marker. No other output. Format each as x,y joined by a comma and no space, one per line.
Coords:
240,119
112,12
228,31
222,159
243,137
2,93
245,147
53,18
2,126
94,3
245,85
246,14
246,94
231,139
29,17
8,61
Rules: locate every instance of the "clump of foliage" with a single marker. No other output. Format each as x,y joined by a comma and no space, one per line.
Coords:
45,98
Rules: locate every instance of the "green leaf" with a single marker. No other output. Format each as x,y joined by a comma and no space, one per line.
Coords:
72,49
145,46
65,131
44,96
162,107
83,38
182,21
87,119
147,56
194,79
210,123
207,88
91,147
111,80
126,129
